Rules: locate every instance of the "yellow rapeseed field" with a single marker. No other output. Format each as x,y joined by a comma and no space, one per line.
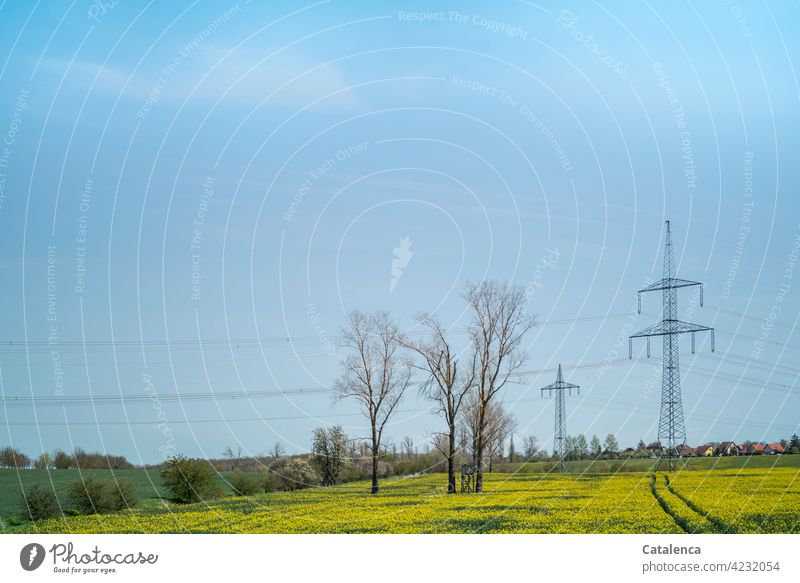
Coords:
745,501
691,501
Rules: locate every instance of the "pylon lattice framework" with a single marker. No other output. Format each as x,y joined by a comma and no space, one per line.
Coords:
671,426
560,432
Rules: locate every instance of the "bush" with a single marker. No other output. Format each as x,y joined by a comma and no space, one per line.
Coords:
296,473
271,482
90,496
39,502
361,469
245,483
123,495
93,496
189,480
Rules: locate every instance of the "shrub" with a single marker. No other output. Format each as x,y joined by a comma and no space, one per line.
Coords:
93,496
90,496
296,473
189,480
39,502
361,469
245,483
123,495
271,482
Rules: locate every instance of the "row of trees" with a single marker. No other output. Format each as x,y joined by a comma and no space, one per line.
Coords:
380,361
578,448
11,457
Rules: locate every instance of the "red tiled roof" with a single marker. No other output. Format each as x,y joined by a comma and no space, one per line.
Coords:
775,447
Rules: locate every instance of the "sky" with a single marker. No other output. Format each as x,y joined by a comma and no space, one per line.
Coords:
194,195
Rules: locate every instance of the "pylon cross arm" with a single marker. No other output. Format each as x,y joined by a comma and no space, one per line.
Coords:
670,327
559,385
669,283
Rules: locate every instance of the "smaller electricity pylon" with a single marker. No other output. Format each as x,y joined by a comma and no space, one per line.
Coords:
561,414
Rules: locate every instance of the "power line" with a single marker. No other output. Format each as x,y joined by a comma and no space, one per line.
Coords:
193,421
731,377
170,397
792,347
610,404
751,317
44,346
104,399
748,362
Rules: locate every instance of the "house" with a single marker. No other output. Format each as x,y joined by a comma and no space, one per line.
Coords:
685,450
704,451
773,448
744,449
654,448
757,448
726,448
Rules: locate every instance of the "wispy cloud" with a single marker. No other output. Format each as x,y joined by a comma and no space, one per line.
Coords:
215,73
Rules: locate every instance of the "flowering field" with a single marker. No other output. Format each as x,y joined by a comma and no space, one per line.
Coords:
749,500
744,501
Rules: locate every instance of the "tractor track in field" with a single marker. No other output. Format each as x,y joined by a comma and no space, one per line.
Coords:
687,515
722,527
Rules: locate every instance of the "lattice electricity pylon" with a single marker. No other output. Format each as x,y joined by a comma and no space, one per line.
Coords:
671,427
561,417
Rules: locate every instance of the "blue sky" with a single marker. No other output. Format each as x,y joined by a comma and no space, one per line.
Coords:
247,171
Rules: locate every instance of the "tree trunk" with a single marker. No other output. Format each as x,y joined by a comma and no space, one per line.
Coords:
375,450
374,473
479,451
451,472
479,466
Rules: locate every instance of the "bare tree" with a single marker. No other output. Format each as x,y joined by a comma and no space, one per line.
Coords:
234,457
277,451
441,444
375,373
407,447
498,424
530,447
447,384
499,323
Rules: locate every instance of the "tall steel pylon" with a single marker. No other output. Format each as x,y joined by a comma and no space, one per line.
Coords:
560,433
671,426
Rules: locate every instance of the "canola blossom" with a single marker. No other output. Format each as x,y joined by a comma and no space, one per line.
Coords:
689,501
745,501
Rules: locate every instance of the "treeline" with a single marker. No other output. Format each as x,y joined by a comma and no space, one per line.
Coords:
11,457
